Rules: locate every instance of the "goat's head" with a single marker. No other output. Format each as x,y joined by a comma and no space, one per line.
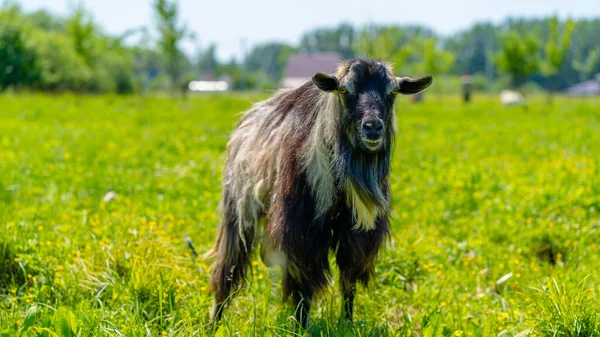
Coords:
366,90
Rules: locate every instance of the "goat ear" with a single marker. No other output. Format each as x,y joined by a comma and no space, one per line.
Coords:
325,82
408,86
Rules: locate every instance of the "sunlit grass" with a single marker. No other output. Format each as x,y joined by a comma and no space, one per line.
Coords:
495,225
567,311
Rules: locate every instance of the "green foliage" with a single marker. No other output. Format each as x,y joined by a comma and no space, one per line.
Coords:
114,72
433,60
65,322
46,21
270,59
18,60
340,39
30,318
38,51
519,56
385,43
171,35
82,32
555,50
474,49
564,52
587,65
207,60
54,51
556,46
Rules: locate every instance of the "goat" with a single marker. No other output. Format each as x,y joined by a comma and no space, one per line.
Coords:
511,98
313,162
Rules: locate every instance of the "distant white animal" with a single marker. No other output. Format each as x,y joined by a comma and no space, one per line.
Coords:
511,98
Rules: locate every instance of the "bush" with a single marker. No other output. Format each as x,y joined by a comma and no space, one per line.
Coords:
60,66
40,52
18,61
113,72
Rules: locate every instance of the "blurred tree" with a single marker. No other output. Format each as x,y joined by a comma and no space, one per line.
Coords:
61,68
556,49
15,56
586,66
386,43
474,50
338,39
434,61
46,21
82,31
207,60
113,69
233,71
171,34
585,40
147,61
519,56
270,59
94,61
18,62
41,51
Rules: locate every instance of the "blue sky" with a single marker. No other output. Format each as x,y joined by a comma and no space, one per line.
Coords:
227,22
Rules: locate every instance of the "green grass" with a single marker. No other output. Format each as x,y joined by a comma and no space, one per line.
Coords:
480,194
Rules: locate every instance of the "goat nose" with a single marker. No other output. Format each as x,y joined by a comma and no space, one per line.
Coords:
373,129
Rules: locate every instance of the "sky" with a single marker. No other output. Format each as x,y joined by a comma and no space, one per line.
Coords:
233,24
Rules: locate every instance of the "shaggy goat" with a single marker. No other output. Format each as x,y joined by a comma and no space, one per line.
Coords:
314,163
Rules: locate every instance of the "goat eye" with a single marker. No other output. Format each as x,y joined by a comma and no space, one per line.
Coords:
395,91
343,90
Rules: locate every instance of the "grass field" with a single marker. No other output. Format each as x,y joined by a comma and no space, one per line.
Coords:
495,223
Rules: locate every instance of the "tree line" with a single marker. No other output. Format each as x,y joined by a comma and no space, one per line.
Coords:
41,51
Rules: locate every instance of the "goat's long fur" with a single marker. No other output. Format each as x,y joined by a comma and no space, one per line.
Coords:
289,163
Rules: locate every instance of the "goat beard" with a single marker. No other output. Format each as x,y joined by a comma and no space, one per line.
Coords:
364,172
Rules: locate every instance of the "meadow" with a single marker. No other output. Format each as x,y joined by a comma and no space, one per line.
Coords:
495,221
